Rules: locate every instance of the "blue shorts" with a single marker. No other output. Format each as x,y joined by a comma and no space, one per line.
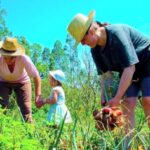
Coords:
139,88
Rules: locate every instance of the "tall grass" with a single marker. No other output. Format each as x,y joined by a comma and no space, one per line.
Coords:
15,134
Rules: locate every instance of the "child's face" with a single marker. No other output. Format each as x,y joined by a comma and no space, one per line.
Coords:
52,81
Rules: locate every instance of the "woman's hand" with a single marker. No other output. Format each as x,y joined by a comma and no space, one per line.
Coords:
39,102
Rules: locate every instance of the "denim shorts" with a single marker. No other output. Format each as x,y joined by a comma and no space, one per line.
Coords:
139,88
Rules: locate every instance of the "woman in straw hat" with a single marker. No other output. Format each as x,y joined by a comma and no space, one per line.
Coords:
121,48
16,68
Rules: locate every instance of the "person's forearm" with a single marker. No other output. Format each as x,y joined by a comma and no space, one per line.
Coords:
37,82
49,101
125,81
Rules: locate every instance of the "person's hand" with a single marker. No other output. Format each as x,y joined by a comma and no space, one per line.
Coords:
38,97
114,102
103,101
39,102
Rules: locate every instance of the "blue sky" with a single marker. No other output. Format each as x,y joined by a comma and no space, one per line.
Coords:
45,21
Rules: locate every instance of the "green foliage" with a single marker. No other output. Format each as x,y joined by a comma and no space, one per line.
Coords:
111,85
74,63
36,53
4,31
57,56
81,134
25,44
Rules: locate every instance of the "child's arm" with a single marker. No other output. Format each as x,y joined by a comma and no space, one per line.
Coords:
53,100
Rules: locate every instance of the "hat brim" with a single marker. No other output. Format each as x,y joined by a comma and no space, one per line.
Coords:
88,23
51,73
18,52
1,44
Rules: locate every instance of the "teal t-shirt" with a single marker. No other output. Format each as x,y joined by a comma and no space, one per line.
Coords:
125,46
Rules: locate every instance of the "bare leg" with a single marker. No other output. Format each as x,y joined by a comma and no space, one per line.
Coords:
146,107
128,107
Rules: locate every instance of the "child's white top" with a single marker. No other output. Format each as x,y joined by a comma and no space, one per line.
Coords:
58,110
60,96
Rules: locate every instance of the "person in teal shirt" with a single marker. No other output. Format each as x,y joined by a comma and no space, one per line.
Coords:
121,48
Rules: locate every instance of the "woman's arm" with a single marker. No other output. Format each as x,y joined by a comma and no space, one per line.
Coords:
37,84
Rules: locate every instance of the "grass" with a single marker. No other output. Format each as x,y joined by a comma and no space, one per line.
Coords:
15,134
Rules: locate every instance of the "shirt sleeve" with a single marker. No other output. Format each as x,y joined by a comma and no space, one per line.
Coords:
125,50
30,67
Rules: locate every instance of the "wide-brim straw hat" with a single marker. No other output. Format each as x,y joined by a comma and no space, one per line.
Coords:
79,26
57,75
1,43
11,47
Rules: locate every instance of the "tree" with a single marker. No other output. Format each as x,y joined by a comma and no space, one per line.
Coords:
25,44
36,50
46,59
74,65
58,57
4,31
88,65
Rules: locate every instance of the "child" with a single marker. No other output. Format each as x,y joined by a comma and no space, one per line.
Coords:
58,109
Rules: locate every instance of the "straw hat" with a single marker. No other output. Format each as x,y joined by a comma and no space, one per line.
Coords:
79,26
11,47
57,75
1,43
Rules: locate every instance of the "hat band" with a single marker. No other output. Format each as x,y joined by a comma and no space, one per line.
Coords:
86,33
12,51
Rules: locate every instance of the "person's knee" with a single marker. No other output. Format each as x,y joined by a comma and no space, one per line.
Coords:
129,103
146,102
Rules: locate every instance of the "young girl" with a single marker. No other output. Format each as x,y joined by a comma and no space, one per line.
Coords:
58,110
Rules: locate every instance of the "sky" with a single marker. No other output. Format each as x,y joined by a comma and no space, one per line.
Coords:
45,21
